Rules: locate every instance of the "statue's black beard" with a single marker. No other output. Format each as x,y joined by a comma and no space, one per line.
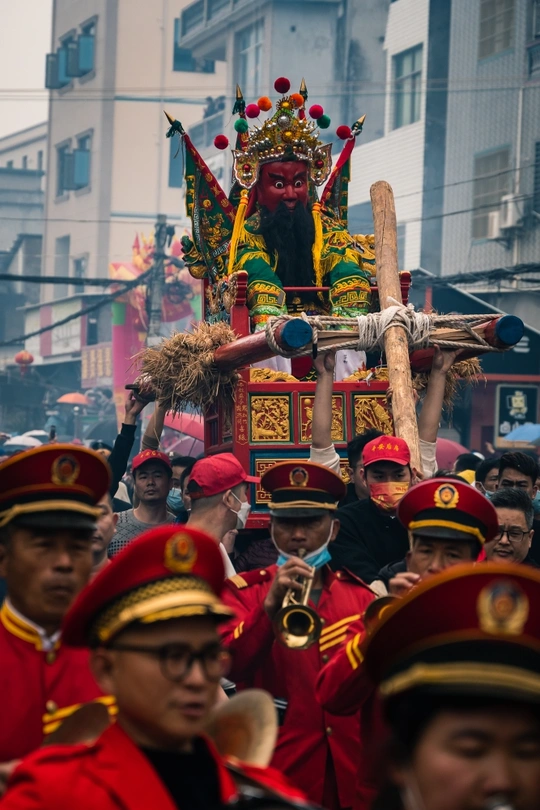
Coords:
291,234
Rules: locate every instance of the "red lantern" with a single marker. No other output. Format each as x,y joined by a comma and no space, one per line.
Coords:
23,360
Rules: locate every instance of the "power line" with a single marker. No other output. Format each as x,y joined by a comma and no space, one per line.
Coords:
496,274
83,282
92,308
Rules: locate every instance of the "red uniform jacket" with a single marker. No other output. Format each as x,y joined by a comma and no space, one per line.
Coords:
343,687
310,736
110,774
38,688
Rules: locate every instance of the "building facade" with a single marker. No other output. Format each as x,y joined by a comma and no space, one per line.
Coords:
114,67
492,171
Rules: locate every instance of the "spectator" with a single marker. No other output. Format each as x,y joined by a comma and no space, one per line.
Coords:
486,475
218,490
175,499
152,474
520,470
514,538
119,456
103,534
467,461
356,488
370,537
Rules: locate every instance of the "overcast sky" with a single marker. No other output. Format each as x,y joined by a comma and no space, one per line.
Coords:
25,39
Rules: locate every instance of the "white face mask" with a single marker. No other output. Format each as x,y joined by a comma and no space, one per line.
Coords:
243,512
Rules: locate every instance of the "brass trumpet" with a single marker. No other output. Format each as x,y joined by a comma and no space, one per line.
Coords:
296,625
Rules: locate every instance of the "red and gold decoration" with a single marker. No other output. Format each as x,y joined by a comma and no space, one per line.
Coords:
24,360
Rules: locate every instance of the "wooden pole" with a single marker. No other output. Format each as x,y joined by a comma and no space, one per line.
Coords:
395,339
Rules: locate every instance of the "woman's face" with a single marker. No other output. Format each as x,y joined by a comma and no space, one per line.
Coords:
465,759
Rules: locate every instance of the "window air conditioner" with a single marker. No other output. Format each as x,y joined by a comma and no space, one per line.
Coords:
509,212
494,228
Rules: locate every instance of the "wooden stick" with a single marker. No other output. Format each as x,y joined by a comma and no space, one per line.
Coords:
395,339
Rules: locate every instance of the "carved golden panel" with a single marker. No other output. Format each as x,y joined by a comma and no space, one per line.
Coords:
270,418
306,418
344,470
262,496
371,411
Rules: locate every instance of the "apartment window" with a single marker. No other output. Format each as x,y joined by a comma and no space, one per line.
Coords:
183,60
40,160
496,27
536,188
63,169
407,89
535,19
62,61
176,164
9,164
79,267
81,162
250,48
492,179
61,264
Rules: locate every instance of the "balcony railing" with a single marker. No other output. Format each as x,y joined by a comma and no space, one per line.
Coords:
202,12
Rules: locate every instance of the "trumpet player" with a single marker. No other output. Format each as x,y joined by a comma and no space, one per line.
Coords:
290,620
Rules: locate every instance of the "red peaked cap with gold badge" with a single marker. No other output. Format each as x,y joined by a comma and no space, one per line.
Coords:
168,572
448,509
302,489
471,630
53,485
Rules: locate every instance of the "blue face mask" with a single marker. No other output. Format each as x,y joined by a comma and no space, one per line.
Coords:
174,501
316,559
536,502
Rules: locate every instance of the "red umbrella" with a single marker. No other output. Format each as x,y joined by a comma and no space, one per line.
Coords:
447,452
73,399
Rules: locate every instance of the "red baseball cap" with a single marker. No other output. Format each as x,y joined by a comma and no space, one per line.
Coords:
386,448
151,455
168,572
215,474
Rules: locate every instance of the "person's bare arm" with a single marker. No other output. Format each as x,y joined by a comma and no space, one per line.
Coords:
430,415
152,434
321,429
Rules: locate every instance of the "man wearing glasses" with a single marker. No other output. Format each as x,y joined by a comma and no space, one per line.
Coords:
520,471
513,541
150,620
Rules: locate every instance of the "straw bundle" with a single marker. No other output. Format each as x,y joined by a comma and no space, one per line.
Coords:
183,372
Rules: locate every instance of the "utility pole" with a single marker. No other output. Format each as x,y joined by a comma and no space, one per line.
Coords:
157,281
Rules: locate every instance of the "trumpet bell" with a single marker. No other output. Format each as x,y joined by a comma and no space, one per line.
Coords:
297,626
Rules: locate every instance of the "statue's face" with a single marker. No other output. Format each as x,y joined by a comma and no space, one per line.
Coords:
283,182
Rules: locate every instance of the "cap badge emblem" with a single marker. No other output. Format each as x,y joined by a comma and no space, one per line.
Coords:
65,471
503,609
299,477
180,554
446,497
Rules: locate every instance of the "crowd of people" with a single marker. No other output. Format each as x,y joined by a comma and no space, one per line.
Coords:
136,604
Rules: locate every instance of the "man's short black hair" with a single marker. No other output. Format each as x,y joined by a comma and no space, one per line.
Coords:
484,469
467,461
521,462
185,472
182,461
355,447
514,498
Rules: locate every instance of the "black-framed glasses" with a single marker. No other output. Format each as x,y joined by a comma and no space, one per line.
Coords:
515,536
176,660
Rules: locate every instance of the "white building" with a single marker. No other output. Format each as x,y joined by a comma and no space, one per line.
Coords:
114,66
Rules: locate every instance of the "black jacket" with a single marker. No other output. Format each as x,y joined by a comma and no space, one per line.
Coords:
368,540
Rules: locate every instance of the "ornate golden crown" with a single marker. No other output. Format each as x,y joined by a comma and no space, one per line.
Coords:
283,135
